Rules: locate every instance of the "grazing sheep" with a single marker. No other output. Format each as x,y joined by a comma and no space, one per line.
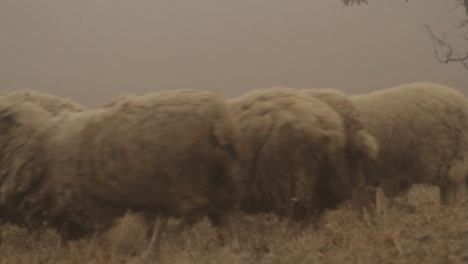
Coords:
360,144
292,147
53,104
22,128
169,153
421,130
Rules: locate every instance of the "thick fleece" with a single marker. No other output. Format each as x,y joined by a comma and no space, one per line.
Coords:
166,153
421,129
292,149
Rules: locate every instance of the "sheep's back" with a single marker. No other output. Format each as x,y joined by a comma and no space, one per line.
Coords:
419,128
282,138
159,152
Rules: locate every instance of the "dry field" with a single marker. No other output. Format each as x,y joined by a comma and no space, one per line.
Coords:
425,234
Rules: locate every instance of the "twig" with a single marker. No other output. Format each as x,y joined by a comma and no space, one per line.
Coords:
450,54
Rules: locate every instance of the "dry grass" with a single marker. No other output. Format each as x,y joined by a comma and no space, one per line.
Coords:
428,234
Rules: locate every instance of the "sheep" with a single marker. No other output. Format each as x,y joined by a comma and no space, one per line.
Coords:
54,105
20,167
292,154
172,154
360,144
421,129
51,103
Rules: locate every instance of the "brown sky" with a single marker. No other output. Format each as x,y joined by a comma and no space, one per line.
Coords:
91,50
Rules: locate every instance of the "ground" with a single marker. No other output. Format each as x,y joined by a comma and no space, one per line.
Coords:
428,234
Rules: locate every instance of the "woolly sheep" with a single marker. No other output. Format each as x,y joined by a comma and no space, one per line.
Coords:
21,136
292,150
167,153
360,144
50,103
421,131
54,105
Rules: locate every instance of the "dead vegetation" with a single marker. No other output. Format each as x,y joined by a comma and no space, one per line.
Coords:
427,233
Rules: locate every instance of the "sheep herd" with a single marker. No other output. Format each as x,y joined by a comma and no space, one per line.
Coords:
190,154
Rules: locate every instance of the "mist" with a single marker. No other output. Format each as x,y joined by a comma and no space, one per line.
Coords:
90,51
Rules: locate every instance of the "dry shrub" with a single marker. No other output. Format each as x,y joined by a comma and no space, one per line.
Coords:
432,234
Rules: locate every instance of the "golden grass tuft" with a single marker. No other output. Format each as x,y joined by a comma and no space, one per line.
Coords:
427,234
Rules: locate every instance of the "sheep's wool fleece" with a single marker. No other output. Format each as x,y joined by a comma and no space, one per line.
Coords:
292,149
50,103
165,152
360,143
421,129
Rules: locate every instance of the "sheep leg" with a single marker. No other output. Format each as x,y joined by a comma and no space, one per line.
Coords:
225,228
296,224
289,215
96,243
154,245
452,186
391,188
364,198
219,222
398,188
365,201
380,202
64,236
448,194
149,220
176,231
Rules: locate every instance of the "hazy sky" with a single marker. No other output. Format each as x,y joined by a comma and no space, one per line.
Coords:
91,50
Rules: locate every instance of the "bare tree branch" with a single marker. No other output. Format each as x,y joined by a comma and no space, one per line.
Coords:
352,2
449,53
358,2
444,52
463,23
459,3
464,4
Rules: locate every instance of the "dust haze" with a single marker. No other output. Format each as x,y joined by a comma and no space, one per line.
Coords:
89,51
92,50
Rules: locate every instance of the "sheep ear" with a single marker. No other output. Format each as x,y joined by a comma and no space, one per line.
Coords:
7,119
334,140
6,116
366,144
